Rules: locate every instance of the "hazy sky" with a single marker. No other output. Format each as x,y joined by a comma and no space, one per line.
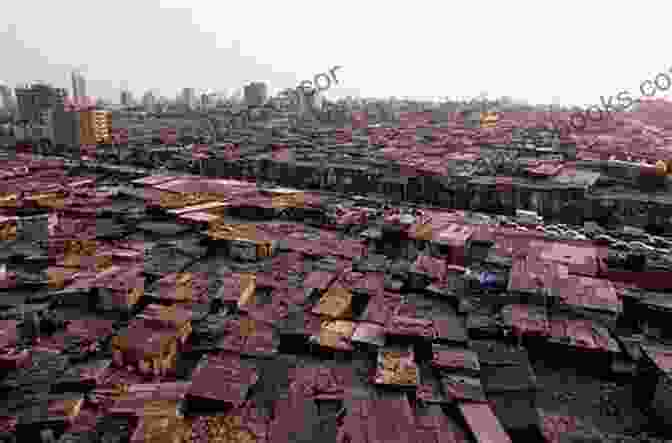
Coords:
534,50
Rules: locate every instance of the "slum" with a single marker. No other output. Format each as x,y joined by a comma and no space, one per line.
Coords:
335,278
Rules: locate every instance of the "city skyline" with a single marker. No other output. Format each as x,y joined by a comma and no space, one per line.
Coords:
189,47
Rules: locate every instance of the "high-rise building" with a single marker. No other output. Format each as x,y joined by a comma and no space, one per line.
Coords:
6,101
306,106
32,99
65,127
126,98
188,97
205,100
149,101
78,85
256,94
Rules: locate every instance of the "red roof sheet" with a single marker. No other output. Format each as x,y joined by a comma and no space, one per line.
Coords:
584,334
583,259
222,379
8,332
198,217
135,400
483,423
94,328
651,280
158,316
509,242
454,234
363,425
455,358
320,382
434,267
319,280
214,186
409,326
154,180
546,169
434,426
372,283
661,355
553,426
381,309
197,208
530,274
590,293
251,336
197,286
526,319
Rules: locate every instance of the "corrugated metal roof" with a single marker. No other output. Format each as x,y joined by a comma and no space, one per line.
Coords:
454,234
590,293
583,259
585,334
530,274
526,319
483,423
454,358
546,169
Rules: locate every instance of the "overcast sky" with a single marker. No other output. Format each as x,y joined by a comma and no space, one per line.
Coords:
536,50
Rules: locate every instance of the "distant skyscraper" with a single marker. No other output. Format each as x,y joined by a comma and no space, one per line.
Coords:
78,85
126,98
307,104
149,101
205,99
236,96
188,97
256,94
65,127
32,99
6,101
